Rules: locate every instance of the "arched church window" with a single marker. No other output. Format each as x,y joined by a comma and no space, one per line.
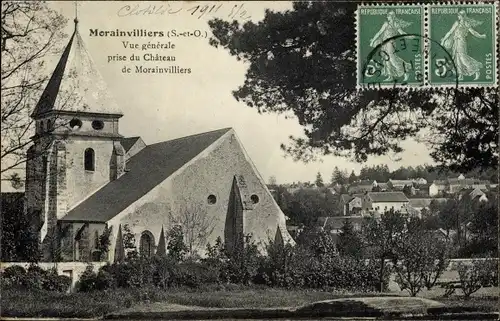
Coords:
89,159
146,244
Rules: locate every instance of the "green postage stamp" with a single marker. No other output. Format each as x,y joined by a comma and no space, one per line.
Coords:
390,48
467,32
432,45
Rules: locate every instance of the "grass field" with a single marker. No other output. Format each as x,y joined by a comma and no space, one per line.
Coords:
18,303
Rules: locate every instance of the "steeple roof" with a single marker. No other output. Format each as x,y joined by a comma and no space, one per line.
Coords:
76,85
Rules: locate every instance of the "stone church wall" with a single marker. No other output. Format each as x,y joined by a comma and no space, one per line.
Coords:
192,190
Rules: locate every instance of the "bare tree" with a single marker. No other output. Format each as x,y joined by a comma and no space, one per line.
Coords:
31,31
196,225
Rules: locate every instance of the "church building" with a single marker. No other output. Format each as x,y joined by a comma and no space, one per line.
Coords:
85,181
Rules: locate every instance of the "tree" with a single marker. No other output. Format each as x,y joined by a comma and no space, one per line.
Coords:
273,181
196,226
318,39
19,243
381,236
319,180
176,247
306,205
349,242
419,259
30,32
352,177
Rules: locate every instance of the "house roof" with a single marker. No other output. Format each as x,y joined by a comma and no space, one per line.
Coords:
362,183
128,142
76,85
388,197
401,182
345,198
439,182
336,222
147,169
420,202
467,181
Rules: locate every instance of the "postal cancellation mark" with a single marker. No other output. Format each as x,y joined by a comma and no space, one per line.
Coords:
385,55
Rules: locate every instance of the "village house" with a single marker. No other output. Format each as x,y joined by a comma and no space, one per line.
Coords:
437,188
379,202
351,204
420,204
473,194
334,224
84,179
399,185
455,185
361,186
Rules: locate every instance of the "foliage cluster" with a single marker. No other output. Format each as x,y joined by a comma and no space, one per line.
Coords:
34,278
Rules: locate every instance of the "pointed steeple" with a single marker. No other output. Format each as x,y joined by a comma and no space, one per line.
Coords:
76,85
161,250
119,248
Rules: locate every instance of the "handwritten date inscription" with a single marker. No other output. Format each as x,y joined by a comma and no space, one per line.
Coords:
197,10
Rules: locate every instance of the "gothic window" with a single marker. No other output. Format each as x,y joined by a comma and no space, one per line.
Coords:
77,250
96,239
89,159
147,244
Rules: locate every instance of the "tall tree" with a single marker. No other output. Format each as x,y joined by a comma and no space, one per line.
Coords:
381,236
352,177
319,180
349,242
318,39
30,32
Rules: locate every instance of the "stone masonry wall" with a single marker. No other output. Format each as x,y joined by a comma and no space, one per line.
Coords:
188,189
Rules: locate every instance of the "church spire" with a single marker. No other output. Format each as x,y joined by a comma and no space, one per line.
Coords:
76,16
76,85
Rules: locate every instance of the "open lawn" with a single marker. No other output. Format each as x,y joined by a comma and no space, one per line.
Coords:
17,303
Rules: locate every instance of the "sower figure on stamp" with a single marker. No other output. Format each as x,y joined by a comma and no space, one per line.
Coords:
394,66
455,40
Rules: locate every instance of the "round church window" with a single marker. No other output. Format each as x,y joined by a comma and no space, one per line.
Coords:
211,199
75,123
254,198
97,124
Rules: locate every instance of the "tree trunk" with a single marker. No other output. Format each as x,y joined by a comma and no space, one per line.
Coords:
381,274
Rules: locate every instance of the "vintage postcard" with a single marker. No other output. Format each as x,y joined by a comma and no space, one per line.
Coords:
249,160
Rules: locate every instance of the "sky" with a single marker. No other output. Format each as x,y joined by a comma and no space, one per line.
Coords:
162,107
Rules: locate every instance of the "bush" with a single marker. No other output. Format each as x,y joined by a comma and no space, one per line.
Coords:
13,276
479,273
35,278
193,275
88,280
55,282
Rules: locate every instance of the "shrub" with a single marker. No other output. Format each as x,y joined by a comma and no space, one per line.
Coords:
13,276
35,278
54,282
193,275
475,275
88,280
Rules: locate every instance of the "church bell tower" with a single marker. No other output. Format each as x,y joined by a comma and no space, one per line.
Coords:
76,148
